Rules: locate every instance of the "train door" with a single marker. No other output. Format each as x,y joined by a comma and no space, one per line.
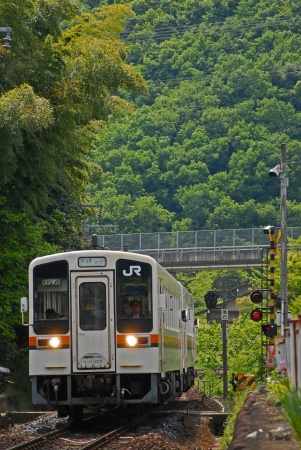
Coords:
92,322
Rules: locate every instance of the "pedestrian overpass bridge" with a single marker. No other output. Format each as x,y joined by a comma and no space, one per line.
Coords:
179,251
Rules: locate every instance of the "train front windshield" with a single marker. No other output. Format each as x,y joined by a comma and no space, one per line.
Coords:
134,296
51,293
92,305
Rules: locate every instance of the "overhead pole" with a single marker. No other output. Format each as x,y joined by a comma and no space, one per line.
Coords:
272,279
283,188
280,171
224,318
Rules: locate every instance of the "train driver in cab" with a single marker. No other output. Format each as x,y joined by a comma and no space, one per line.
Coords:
136,309
125,307
51,314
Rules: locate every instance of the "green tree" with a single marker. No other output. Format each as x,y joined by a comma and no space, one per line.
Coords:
147,216
21,241
68,95
220,104
245,347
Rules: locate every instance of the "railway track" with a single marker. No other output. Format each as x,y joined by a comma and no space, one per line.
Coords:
68,437
188,422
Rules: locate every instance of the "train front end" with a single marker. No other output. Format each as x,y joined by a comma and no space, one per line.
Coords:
86,347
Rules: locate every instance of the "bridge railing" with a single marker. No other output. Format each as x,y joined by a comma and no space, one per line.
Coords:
180,240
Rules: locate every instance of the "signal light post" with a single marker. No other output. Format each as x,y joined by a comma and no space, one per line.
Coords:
270,329
272,286
211,301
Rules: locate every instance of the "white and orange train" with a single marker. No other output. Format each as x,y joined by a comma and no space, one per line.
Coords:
86,350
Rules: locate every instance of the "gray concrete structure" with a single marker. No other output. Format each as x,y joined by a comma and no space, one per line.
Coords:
186,260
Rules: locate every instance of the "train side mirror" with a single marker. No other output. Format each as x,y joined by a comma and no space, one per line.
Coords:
24,304
24,308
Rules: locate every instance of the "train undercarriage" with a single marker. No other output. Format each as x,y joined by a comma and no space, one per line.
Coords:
103,394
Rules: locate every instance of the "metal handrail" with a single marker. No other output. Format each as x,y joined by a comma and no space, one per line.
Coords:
200,240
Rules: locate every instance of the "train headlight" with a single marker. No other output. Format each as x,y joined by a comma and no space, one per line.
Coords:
55,342
131,341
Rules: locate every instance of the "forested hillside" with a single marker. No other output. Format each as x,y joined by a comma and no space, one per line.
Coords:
169,114
224,81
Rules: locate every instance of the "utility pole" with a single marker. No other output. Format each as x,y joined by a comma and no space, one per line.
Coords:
280,171
283,187
224,317
211,301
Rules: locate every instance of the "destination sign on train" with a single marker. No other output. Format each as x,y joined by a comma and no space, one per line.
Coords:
93,261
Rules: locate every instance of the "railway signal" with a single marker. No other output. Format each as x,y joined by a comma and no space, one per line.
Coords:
211,299
256,296
277,301
269,329
256,315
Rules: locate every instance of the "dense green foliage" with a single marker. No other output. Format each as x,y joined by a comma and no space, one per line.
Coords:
244,351
237,404
193,151
57,92
59,83
20,242
292,403
224,93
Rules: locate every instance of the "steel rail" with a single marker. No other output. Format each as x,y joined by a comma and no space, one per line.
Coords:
33,443
96,443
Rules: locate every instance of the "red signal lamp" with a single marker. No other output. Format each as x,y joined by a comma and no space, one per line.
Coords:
256,315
